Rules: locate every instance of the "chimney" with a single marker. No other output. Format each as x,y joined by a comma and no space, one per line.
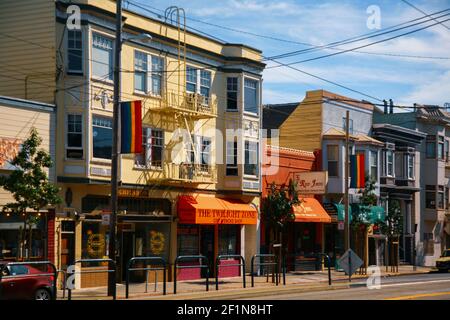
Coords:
385,106
391,106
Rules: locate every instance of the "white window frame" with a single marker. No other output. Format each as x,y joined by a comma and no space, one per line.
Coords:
410,171
198,83
373,165
208,152
387,163
80,71
110,75
234,156
92,137
148,74
258,90
66,145
148,144
255,142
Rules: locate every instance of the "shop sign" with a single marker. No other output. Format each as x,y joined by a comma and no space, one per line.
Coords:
311,182
133,193
106,219
9,148
226,217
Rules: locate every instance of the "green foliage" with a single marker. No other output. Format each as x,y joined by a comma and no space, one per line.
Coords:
368,199
29,183
277,206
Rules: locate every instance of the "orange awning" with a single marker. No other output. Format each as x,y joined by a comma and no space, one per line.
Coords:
210,210
310,210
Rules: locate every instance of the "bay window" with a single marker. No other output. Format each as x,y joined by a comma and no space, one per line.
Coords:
373,165
251,95
232,93
251,158
389,163
102,137
75,51
333,160
232,168
102,57
441,153
431,147
410,166
74,142
430,197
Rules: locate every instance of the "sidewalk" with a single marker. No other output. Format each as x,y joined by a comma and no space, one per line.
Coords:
196,289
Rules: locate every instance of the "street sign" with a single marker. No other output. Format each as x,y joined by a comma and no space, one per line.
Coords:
350,262
341,225
106,219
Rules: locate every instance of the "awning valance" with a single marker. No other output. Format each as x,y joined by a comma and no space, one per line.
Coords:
211,210
310,210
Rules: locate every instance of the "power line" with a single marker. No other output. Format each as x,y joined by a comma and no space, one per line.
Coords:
421,11
355,39
363,46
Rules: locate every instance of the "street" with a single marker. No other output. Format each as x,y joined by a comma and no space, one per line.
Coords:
433,286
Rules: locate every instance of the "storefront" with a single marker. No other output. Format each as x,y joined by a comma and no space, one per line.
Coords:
306,234
210,227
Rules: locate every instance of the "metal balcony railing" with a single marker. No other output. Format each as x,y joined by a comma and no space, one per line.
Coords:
183,172
193,104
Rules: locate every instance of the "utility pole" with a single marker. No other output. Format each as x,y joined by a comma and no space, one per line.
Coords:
346,203
115,148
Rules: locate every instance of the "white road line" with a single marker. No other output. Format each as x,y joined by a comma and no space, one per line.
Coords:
407,283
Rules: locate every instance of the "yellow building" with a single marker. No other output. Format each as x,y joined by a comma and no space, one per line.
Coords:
193,89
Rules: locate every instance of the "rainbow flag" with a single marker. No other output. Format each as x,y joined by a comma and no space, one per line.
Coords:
131,127
357,171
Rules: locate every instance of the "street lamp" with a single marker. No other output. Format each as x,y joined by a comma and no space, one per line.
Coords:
116,140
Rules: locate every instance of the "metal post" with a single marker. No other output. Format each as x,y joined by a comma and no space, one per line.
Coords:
115,148
347,164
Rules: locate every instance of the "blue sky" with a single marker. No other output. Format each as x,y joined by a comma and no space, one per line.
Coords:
405,80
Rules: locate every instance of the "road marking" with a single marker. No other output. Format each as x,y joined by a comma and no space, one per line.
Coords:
415,296
412,283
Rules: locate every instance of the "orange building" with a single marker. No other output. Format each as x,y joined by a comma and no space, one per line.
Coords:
305,234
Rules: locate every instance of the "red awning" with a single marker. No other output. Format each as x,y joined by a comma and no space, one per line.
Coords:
310,210
211,210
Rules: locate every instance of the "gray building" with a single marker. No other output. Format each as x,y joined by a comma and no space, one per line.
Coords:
431,204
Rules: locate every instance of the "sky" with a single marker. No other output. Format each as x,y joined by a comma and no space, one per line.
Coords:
405,80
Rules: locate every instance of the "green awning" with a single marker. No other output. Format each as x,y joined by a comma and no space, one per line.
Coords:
369,214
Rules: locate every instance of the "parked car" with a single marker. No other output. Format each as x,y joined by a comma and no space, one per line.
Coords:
24,282
443,263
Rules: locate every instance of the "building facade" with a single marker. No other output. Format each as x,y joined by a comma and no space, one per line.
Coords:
19,116
431,203
201,114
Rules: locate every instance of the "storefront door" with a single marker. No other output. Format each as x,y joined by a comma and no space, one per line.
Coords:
127,250
207,247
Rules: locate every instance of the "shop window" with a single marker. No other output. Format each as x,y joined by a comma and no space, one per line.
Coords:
333,160
188,239
430,197
94,243
228,239
102,137
152,239
74,142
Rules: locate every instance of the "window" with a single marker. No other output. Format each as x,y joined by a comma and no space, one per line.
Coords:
140,71
333,160
250,95
148,73
153,148
198,81
251,158
205,84
430,197
399,165
440,197
431,147
205,152
390,163
373,165
191,148
74,143
232,93
102,57
441,153
344,125
102,137
75,51
232,168
410,166
447,151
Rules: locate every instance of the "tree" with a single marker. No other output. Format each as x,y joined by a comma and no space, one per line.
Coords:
277,210
29,183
